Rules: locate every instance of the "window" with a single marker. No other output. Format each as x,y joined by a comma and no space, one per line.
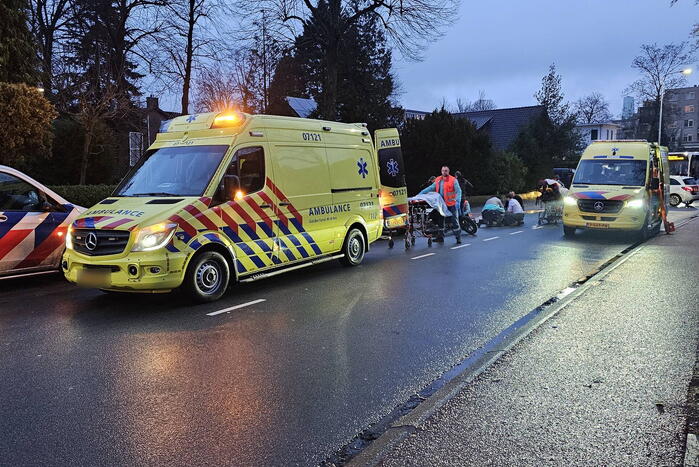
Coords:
18,195
687,138
611,172
673,138
689,123
594,135
689,181
674,182
672,97
691,95
688,109
173,171
391,167
248,165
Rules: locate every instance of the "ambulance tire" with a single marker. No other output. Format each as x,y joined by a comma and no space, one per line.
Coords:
568,231
207,277
353,248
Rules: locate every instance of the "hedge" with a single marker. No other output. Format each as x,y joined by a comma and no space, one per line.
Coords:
84,195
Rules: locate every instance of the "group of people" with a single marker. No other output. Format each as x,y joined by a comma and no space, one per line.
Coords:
455,190
495,212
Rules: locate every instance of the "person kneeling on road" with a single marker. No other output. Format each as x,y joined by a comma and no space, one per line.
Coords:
448,187
514,214
492,212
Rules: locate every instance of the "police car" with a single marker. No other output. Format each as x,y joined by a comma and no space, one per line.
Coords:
33,225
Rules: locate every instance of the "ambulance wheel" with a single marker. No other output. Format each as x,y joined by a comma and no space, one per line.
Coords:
568,231
207,277
390,243
353,248
675,200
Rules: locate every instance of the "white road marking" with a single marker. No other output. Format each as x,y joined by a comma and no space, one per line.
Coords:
242,305
489,239
423,256
538,227
518,232
460,246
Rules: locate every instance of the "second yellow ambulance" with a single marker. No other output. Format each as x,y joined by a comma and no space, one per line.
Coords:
619,185
221,197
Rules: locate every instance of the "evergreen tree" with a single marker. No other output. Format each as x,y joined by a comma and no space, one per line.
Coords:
17,48
551,138
442,139
366,85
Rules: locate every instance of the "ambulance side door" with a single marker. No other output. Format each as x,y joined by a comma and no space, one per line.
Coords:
302,186
250,219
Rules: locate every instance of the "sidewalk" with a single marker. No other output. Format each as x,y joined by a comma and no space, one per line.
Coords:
603,382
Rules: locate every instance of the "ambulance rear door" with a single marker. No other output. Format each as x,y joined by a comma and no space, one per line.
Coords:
394,193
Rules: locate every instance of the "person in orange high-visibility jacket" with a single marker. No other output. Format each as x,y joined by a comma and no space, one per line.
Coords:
448,187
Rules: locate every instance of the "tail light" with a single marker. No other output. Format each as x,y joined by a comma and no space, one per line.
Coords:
689,188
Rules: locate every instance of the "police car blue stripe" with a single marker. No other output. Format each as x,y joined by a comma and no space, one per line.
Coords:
195,244
13,219
172,248
240,266
213,238
285,230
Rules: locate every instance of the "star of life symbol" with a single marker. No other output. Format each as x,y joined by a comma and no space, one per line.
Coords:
392,167
361,163
191,118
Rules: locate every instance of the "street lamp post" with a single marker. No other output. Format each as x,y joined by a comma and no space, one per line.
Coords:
686,71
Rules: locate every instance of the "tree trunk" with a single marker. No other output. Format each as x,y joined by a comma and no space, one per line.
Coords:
85,156
189,57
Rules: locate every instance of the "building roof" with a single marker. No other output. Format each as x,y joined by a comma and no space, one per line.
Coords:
503,125
590,125
302,106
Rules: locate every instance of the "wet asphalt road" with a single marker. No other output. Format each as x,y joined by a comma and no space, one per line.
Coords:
94,379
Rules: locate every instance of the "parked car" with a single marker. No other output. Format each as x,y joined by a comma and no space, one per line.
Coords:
33,225
683,190
565,175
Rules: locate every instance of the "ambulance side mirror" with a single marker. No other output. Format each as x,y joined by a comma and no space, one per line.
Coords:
654,183
228,188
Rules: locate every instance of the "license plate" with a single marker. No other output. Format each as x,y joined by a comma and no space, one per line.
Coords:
597,225
398,221
94,278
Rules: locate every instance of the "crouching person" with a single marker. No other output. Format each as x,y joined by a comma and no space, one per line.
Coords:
515,213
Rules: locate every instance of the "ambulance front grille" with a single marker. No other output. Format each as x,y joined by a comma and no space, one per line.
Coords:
600,206
108,242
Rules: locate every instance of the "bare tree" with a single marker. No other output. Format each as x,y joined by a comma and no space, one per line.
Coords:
592,109
660,69
236,87
95,108
48,19
188,38
407,23
480,104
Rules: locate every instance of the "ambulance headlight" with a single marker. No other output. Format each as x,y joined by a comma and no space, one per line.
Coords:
635,203
569,201
69,237
154,236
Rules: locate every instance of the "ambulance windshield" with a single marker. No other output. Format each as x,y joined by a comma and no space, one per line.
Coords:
611,172
178,171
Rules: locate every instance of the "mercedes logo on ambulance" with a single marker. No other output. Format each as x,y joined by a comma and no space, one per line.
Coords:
91,241
599,206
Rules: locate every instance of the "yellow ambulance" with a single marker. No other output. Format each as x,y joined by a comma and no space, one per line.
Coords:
223,197
618,185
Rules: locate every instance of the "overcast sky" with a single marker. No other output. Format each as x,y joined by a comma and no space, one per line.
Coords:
505,47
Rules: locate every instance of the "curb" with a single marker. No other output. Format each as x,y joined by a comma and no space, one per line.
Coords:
486,356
